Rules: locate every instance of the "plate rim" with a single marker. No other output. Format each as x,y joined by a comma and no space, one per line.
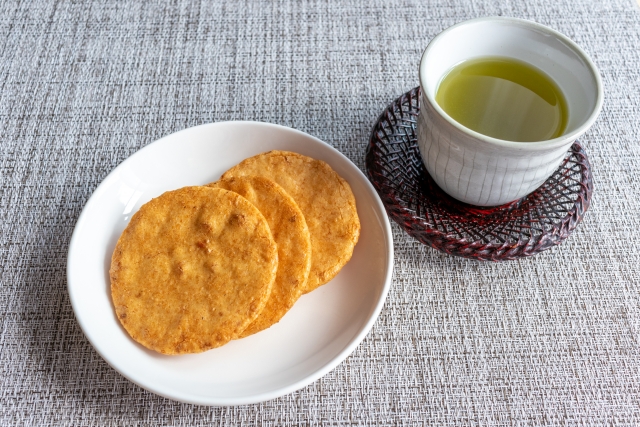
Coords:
278,392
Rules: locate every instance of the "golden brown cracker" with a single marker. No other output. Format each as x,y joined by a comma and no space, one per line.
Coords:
290,233
192,270
325,199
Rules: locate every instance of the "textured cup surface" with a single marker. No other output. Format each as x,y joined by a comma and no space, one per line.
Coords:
485,171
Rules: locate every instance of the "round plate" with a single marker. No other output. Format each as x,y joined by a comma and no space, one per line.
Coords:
318,333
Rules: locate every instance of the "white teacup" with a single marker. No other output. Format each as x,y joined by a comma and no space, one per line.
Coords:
486,171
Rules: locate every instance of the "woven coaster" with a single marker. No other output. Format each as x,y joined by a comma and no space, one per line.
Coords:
522,228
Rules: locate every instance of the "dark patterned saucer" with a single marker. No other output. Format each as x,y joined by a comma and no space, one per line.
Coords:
522,228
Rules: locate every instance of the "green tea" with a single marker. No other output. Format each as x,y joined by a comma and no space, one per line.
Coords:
504,98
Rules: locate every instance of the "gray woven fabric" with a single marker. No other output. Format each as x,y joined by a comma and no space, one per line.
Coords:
554,339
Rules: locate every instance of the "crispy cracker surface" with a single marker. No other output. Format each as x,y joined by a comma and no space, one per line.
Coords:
290,232
325,199
192,270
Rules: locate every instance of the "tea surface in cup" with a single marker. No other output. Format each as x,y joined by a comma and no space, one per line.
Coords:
504,98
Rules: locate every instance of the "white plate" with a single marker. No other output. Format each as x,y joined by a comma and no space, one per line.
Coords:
319,332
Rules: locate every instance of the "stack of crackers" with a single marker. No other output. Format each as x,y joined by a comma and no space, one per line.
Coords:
200,266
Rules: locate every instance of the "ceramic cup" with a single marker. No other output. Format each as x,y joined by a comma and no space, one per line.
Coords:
485,171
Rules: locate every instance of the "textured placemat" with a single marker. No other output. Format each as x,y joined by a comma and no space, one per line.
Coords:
554,339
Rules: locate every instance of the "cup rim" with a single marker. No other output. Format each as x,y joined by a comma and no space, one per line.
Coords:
533,145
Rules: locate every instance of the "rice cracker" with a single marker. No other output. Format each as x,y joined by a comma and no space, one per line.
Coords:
290,232
192,270
325,199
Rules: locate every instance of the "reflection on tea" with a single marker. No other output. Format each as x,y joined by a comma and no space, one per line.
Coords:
504,98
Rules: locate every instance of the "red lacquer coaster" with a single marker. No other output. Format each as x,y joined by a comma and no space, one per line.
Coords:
522,228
